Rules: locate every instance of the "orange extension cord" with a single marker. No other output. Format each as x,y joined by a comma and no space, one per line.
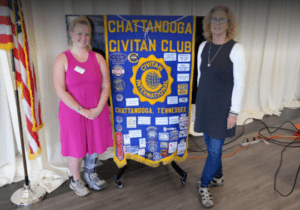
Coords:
276,137
256,137
224,156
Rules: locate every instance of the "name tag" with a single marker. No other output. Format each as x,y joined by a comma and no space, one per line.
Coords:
79,70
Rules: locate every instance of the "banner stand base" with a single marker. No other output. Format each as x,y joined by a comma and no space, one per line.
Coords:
179,170
26,196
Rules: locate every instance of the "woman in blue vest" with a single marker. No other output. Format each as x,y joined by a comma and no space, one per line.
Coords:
221,79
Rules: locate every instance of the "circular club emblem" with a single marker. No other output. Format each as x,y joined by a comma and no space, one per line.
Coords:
119,97
119,127
156,156
151,80
152,148
152,133
133,57
119,119
118,70
118,58
119,85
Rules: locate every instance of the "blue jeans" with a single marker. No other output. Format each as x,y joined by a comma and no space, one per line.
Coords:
213,164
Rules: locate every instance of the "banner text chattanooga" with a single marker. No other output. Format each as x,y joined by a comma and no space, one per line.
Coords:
157,26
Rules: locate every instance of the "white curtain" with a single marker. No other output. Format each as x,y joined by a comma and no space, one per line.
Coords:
46,29
270,34
269,31
298,88
8,150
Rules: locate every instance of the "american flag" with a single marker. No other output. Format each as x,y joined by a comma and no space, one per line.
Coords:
13,36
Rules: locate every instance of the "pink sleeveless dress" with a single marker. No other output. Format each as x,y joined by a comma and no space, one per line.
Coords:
78,134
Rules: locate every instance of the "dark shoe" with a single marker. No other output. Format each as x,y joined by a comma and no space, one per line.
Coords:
214,182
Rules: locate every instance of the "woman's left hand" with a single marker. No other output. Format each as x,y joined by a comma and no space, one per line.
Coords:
231,120
94,113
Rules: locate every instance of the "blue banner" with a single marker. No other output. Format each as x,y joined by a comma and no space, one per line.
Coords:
151,60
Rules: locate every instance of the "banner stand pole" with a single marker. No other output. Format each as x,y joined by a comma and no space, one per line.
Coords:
181,172
117,177
25,196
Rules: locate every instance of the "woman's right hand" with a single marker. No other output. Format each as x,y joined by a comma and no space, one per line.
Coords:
85,112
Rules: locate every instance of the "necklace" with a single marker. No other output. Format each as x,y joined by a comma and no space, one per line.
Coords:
209,62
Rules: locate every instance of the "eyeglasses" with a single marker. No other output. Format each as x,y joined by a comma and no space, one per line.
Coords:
221,20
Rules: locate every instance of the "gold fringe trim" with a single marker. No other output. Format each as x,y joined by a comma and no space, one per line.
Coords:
36,129
148,162
20,85
124,162
119,163
8,46
35,155
172,157
110,95
27,69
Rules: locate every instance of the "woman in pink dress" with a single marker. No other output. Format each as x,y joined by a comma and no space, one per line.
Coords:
81,80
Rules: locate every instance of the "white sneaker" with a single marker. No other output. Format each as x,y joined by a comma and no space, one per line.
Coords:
206,197
214,182
79,187
94,182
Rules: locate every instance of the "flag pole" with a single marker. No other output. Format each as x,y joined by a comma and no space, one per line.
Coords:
25,196
21,135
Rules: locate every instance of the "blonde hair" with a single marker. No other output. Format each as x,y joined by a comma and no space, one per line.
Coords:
83,20
231,32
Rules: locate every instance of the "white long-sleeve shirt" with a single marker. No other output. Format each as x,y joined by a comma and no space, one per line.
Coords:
237,57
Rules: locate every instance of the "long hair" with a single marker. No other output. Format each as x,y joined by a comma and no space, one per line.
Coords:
231,32
83,20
